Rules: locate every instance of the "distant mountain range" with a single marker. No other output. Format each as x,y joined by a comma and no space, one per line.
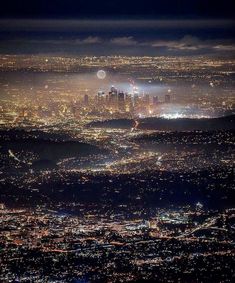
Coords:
161,124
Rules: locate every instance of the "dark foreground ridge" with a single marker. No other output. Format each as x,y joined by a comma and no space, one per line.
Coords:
47,149
162,124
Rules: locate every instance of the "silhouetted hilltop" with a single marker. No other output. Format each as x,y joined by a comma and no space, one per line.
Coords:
44,164
162,124
186,124
45,149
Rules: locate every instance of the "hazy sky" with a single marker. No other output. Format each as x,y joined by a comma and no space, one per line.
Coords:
118,37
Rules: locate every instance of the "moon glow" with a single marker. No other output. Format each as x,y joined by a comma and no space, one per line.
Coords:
101,74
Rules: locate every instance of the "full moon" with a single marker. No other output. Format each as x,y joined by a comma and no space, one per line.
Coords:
101,74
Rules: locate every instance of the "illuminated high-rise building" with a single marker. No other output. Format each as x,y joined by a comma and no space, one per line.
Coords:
167,98
129,103
101,98
147,99
113,98
121,101
155,100
113,89
135,96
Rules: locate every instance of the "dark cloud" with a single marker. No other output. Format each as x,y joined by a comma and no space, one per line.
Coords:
124,41
137,37
189,42
89,40
129,45
35,25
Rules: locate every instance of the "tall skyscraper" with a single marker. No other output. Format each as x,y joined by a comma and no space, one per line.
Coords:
155,100
129,103
101,98
167,98
135,96
113,98
121,101
147,99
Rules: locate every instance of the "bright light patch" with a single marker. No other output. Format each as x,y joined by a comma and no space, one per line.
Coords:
101,74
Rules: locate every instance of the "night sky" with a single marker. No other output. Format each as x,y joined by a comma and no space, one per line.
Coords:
117,8
118,27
